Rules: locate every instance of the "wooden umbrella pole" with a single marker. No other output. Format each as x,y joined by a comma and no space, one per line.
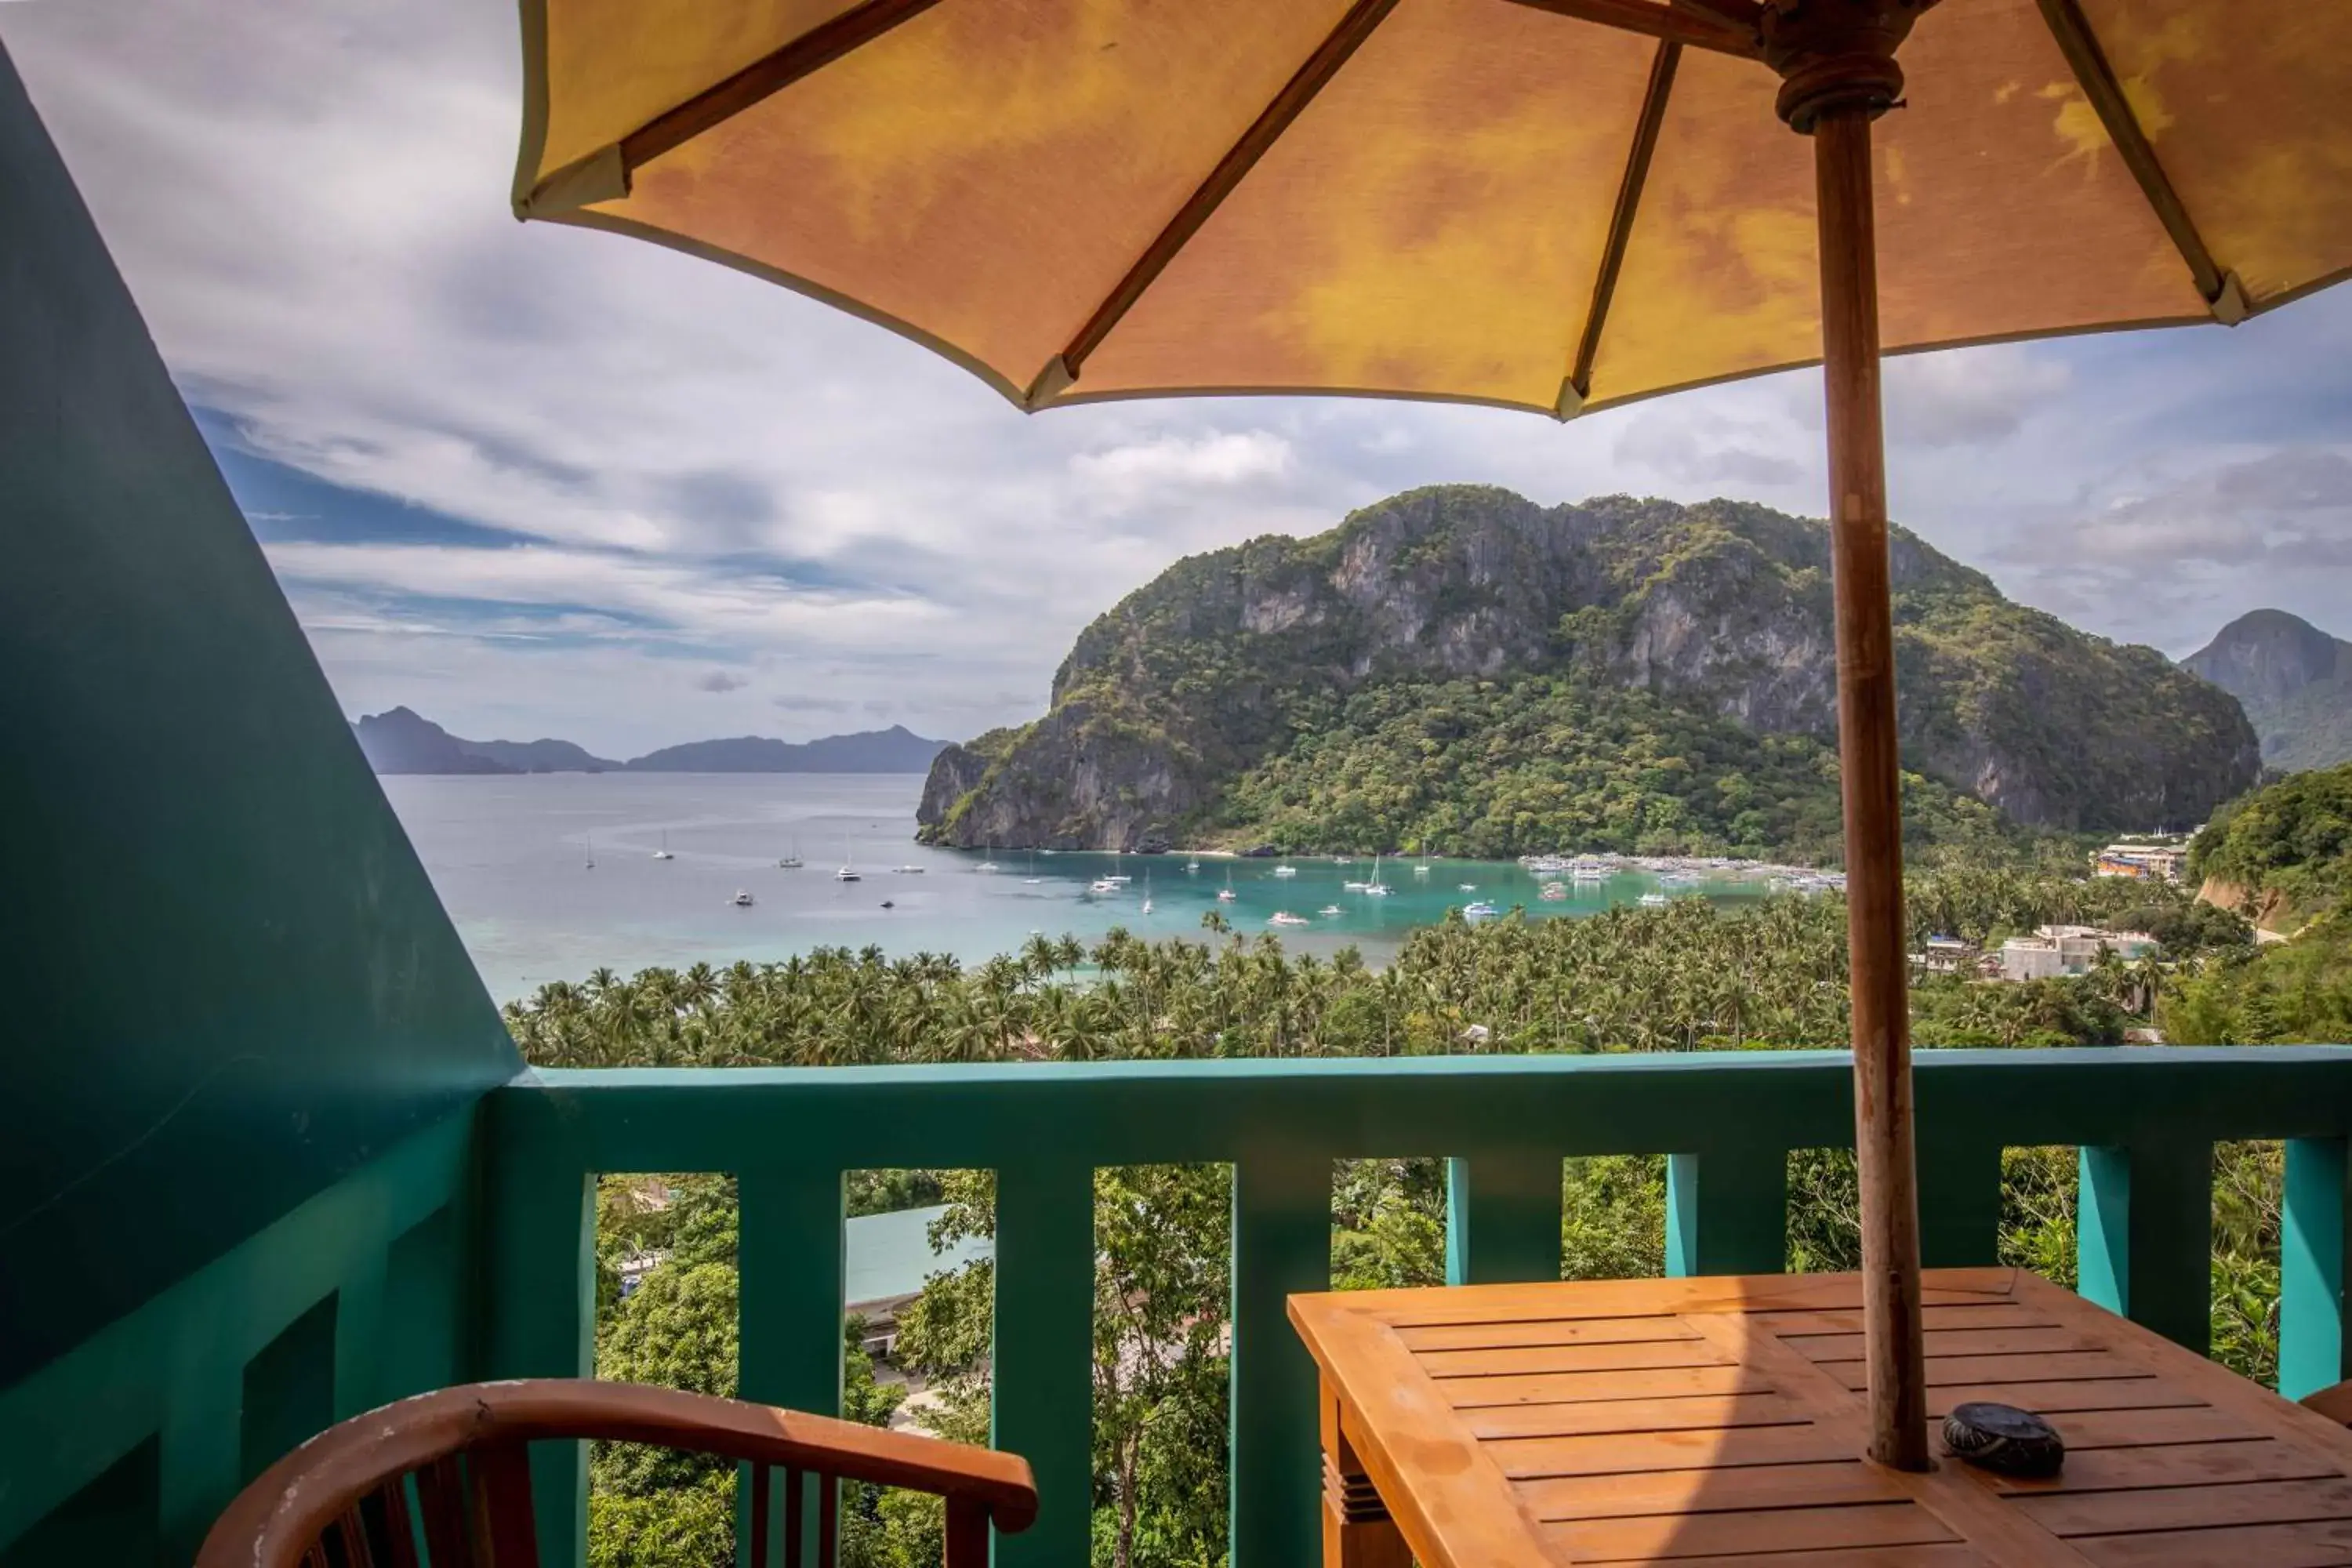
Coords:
1884,1144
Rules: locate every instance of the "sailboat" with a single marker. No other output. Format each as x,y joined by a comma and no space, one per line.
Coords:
792,861
988,863
1147,893
741,901
848,873
1226,895
591,851
662,853
1377,887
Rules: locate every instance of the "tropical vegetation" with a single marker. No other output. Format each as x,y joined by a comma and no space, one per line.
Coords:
1688,976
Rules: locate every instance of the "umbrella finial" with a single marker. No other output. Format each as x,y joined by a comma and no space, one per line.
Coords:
1836,54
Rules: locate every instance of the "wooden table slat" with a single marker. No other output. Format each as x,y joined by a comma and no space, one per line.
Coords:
1544,1332
1444,1364
2008,1340
2062,1367
1664,1537
2189,1507
1498,1422
1632,1453
1583,1387
2056,1398
2002,1314
2172,1465
2317,1545
1557,1499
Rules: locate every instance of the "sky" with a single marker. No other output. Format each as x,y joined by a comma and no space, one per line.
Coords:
536,480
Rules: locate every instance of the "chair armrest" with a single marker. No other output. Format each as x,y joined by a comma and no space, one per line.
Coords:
2335,1404
277,1518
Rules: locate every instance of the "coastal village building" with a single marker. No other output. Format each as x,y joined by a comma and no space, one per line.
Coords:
2145,862
2054,950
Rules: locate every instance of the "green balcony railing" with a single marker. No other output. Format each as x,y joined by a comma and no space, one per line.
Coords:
467,1251
2146,1120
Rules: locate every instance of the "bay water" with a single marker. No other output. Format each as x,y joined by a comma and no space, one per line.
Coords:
509,855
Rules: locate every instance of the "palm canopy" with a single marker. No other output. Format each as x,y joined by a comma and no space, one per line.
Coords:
1460,199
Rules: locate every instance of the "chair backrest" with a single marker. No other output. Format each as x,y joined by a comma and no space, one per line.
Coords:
443,1481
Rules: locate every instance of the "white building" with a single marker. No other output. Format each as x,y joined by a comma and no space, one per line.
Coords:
2054,950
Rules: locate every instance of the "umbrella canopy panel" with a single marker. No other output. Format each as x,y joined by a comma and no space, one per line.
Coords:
1455,199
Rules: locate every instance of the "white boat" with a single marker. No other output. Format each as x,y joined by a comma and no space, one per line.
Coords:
908,871
1422,869
1226,895
988,863
1553,892
1376,888
741,901
1285,918
1481,910
1355,887
1329,910
1286,871
1469,887
1654,900
662,853
1341,860
847,875
789,863
1103,885
1192,865
1119,881
1147,905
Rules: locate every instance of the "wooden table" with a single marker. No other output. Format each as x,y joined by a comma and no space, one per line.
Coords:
1643,1421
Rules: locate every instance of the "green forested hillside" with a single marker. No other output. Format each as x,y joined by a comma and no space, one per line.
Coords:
1505,768
2292,839
1464,667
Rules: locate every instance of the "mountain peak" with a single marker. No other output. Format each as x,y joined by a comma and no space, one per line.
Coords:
2294,680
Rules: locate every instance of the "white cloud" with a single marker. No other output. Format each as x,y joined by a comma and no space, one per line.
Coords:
309,198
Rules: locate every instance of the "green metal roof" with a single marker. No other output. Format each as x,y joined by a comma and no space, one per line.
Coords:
890,1254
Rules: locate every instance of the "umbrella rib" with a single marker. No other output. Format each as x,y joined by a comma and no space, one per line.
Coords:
764,78
1620,222
2097,79
1297,93
1702,27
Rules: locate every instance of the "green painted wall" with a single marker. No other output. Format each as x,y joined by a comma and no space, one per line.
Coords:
229,982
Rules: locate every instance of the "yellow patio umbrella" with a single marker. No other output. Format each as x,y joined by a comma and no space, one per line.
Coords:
1551,204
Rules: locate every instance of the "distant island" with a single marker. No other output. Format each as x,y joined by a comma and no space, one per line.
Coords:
402,741
2296,681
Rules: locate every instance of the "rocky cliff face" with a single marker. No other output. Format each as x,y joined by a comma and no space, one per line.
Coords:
2296,681
1723,609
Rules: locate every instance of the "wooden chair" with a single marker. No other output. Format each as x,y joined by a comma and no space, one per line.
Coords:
2335,1403
453,1470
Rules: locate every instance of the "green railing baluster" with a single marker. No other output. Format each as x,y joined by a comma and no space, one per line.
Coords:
2312,1322
1042,1390
197,1455
360,1336
1282,1244
1959,1201
540,1263
1727,1211
791,1240
2144,1236
1502,1218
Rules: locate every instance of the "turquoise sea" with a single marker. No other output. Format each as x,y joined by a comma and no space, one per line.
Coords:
510,856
